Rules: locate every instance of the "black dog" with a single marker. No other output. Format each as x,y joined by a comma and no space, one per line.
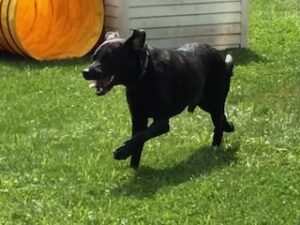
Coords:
160,84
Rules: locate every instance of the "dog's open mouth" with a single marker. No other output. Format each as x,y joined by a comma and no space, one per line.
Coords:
103,86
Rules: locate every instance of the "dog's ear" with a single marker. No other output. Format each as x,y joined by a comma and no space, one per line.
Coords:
137,39
111,35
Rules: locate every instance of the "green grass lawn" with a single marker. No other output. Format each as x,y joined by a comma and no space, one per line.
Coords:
57,138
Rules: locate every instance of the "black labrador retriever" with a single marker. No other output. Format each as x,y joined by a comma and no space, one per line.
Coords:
161,83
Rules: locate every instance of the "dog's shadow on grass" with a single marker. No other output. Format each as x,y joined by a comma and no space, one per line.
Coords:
147,181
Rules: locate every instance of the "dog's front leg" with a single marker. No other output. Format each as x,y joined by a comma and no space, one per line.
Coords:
158,127
139,124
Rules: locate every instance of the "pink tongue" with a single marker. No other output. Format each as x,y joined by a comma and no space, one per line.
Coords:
103,82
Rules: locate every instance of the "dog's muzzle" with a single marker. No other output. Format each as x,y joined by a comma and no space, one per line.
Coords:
102,85
88,75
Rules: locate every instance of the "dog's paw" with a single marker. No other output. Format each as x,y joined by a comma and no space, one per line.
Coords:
229,127
123,152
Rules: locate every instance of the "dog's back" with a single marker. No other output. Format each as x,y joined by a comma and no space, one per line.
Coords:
194,75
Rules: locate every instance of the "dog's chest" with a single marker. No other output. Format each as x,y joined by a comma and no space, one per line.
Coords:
161,99
147,100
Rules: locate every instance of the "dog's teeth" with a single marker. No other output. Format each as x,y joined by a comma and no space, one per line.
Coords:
92,85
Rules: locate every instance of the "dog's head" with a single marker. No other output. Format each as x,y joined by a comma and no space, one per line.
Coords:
116,61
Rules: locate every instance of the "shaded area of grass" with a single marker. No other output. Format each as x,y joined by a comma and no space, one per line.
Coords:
203,161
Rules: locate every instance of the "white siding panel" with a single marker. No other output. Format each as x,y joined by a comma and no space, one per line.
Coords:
112,2
188,20
244,24
112,22
192,31
112,11
137,3
221,47
220,40
171,23
178,10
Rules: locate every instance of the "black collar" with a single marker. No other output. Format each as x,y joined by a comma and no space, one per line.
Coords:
144,61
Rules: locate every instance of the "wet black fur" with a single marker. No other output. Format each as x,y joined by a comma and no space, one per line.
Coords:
194,75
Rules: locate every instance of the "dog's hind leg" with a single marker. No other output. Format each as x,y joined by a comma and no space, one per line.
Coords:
218,119
227,126
221,124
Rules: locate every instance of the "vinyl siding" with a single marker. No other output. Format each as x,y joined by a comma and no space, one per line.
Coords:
171,23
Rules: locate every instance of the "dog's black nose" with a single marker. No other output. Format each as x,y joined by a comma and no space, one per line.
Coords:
86,73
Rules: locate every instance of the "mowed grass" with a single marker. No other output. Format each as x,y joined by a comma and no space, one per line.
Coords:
57,138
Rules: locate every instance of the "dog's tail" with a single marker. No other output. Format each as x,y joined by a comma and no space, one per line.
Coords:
229,64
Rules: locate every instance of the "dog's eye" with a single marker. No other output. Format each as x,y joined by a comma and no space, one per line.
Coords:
105,58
